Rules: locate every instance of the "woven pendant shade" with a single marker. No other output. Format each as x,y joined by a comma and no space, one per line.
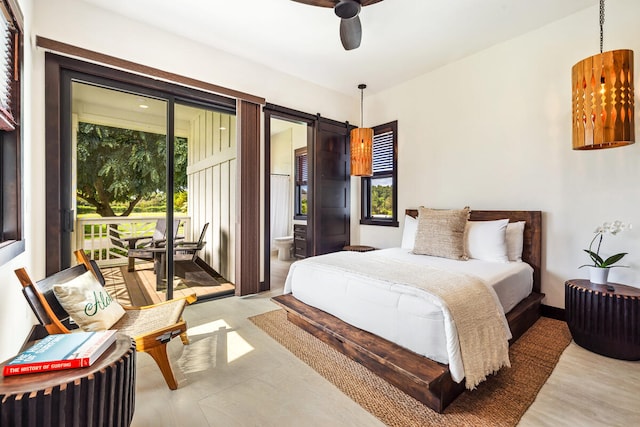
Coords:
361,144
362,152
603,105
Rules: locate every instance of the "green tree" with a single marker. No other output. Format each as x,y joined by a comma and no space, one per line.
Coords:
124,166
381,200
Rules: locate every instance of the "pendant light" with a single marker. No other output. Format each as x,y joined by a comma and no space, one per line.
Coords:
602,98
361,145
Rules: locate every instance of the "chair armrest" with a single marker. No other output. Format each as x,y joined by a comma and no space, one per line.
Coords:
132,241
187,244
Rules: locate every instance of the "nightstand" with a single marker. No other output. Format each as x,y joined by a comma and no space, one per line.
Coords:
358,248
604,318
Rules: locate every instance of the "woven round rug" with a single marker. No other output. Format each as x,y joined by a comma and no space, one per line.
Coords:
501,400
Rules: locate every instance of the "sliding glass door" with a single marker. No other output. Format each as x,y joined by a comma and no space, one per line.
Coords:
143,174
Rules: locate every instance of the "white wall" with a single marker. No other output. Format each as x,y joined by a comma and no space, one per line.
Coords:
493,131
281,149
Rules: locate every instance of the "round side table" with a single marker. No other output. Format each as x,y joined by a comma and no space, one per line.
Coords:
102,394
358,248
604,318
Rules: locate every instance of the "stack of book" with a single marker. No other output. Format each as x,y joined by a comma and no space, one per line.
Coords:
61,351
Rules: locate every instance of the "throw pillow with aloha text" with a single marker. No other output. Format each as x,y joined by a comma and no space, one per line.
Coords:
88,303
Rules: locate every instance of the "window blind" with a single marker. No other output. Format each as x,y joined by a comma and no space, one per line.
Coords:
383,152
7,75
301,169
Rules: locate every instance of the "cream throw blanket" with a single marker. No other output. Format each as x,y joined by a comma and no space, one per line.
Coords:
482,329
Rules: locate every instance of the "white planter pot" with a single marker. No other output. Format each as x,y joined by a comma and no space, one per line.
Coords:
598,275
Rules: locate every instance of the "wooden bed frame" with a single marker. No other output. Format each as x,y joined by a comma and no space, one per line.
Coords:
424,379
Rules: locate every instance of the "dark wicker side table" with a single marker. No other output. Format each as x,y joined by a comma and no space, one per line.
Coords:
604,318
100,395
358,248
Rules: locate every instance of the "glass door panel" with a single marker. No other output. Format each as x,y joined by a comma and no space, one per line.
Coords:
205,159
119,154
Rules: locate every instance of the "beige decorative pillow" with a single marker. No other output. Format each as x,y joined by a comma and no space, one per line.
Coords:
441,233
88,303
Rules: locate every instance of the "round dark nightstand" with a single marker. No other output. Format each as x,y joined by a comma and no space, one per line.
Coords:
358,248
604,318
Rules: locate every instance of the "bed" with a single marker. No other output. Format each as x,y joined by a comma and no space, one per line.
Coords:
413,363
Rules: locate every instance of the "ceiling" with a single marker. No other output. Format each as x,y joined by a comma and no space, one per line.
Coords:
402,39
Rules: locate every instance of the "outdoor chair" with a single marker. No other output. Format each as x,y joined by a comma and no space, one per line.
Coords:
152,326
188,251
126,243
141,247
182,251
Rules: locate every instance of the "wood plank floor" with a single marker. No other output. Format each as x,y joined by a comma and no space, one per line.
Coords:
141,285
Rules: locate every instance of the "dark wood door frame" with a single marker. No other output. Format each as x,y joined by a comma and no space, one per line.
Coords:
248,228
58,249
286,114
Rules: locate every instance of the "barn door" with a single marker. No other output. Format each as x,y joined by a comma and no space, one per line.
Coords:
330,195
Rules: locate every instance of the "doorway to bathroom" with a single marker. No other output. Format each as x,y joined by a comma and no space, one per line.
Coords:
307,189
288,196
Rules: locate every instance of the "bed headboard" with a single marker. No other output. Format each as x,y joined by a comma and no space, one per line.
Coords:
532,247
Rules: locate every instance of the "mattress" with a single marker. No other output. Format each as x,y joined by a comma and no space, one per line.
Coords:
407,316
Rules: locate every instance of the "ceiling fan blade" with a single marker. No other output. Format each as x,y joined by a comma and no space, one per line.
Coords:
332,3
320,3
350,33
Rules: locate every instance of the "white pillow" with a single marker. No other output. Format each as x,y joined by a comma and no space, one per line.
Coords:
88,303
409,232
515,240
486,240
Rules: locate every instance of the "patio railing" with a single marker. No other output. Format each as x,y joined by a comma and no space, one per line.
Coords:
104,237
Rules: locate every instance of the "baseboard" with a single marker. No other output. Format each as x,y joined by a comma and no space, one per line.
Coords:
552,312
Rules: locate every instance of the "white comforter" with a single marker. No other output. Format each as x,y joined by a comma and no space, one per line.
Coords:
400,313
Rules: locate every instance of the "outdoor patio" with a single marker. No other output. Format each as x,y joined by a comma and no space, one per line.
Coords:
138,288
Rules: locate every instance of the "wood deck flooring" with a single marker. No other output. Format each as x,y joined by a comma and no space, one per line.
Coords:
138,287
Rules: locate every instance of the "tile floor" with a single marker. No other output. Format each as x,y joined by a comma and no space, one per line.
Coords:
233,374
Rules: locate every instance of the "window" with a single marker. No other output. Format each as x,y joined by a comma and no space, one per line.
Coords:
380,191
11,243
302,176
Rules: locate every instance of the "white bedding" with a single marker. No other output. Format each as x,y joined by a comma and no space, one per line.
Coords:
407,316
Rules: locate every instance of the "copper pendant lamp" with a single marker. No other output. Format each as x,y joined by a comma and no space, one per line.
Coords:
361,145
603,98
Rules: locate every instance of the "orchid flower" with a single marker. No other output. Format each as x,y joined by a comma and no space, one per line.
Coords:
612,228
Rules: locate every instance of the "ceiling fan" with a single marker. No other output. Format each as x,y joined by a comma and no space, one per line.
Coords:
347,10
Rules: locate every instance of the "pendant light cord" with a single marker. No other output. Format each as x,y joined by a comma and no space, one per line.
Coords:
361,108
601,24
362,87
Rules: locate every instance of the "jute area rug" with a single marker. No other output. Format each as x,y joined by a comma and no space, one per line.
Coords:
501,400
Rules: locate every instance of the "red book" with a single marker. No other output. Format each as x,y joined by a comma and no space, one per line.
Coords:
61,351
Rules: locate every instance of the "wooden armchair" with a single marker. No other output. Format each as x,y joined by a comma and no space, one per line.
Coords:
183,251
188,251
143,247
152,326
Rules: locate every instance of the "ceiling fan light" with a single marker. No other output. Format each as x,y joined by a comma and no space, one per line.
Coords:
347,9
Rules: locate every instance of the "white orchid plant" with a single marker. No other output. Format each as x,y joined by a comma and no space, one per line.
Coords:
612,228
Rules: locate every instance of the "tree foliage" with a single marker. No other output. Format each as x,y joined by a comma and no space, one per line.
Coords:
382,200
124,166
